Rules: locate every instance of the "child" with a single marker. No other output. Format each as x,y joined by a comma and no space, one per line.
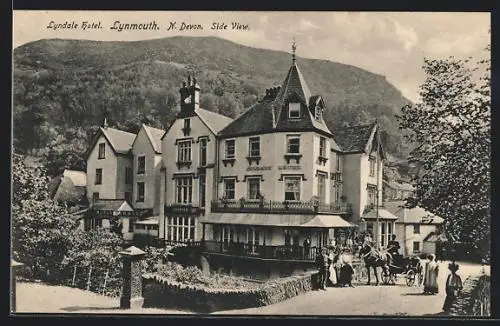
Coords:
453,286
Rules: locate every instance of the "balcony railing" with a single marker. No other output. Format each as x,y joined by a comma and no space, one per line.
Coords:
260,251
276,207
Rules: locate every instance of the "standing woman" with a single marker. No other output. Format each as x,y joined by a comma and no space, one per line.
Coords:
431,275
453,286
332,272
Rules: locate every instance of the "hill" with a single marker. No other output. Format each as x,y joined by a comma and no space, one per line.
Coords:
63,84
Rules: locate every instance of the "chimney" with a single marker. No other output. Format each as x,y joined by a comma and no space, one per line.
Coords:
190,96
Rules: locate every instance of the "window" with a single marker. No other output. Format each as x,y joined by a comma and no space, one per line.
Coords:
229,188
128,176
131,222
184,189
317,113
322,187
372,166
416,247
372,196
128,196
389,231
416,228
184,151
253,238
92,223
294,110
254,146
337,191
203,151
95,197
253,188
98,176
292,188
322,146
141,164
230,148
202,179
140,191
180,228
339,163
102,151
293,144
383,234
228,235
187,124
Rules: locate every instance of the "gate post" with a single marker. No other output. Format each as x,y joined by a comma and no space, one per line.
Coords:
132,278
13,269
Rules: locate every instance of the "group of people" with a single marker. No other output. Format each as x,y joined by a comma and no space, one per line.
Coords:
334,268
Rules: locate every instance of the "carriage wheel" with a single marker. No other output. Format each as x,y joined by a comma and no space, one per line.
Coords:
410,278
386,276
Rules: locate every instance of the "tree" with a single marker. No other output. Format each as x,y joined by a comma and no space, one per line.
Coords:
41,228
450,127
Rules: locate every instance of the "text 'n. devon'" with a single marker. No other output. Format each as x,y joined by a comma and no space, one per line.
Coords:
148,26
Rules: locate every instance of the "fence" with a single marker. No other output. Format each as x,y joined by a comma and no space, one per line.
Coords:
98,279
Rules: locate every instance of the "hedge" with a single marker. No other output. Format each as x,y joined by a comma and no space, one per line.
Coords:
468,301
159,292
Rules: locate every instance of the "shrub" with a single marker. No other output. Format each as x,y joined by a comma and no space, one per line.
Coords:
97,249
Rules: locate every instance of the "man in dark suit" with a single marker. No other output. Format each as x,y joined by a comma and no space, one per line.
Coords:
323,262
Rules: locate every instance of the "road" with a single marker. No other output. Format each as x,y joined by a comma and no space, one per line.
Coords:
367,300
361,300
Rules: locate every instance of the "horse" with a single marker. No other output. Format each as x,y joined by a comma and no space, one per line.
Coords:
374,258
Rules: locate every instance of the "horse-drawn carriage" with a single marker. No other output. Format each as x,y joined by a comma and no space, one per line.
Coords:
392,265
409,267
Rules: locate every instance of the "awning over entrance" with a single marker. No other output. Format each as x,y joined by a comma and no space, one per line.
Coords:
288,220
383,214
328,221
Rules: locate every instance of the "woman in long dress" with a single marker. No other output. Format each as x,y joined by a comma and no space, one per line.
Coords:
332,271
431,276
453,286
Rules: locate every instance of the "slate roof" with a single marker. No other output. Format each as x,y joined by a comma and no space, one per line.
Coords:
215,121
412,215
155,136
383,214
69,186
353,138
258,118
121,141
294,83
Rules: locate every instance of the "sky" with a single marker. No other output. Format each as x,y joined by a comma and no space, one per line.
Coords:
392,44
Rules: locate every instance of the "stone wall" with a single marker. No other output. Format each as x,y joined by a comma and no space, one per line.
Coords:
475,298
159,292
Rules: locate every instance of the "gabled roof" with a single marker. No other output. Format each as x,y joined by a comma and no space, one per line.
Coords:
353,138
69,186
154,135
115,205
120,141
416,215
214,121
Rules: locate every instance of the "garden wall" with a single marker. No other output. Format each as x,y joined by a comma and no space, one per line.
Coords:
158,292
475,297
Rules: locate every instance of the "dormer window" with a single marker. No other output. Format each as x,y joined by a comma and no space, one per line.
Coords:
294,110
317,113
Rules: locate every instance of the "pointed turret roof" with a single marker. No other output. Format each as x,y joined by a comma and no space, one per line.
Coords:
294,83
